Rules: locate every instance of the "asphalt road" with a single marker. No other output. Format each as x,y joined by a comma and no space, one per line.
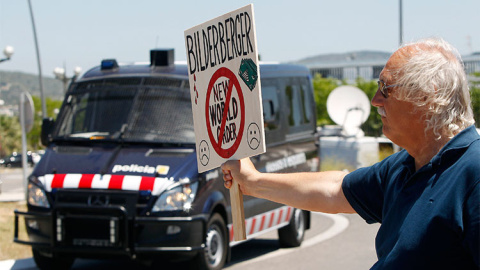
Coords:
333,242
12,184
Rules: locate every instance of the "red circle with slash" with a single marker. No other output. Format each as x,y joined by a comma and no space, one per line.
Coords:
217,145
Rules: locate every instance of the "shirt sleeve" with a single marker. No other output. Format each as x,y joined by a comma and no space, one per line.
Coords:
363,190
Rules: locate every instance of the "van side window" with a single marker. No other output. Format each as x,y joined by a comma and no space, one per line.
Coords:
271,116
298,101
307,102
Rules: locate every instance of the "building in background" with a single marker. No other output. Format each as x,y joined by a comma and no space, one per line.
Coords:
364,64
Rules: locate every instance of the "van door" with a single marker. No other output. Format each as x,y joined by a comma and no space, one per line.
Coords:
301,135
272,160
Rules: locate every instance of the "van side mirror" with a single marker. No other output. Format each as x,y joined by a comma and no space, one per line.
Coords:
47,129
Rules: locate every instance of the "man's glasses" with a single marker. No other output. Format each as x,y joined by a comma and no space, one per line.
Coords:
383,87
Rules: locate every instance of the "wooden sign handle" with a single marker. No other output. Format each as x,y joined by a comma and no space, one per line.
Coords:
238,215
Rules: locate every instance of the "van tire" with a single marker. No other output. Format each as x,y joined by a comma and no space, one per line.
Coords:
53,262
216,245
292,235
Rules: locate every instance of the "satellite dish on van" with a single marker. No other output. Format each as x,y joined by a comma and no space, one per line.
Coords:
348,107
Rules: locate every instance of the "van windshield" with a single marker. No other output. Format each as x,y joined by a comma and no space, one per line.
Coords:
150,110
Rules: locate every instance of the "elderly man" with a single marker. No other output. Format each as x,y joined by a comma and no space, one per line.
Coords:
426,197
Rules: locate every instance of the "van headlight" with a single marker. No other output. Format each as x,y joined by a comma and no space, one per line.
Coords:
37,196
177,198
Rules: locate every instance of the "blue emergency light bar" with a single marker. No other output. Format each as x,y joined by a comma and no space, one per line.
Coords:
108,64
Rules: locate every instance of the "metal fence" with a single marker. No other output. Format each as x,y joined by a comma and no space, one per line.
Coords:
371,70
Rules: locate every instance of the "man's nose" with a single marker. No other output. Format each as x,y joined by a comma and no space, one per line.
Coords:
378,99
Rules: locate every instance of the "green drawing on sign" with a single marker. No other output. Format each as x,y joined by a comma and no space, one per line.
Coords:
248,73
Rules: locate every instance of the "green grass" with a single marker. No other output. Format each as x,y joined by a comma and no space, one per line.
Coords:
336,164
9,249
333,164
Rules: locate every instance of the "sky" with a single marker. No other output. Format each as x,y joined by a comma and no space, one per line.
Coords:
81,33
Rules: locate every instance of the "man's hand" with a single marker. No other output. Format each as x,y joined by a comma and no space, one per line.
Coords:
242,171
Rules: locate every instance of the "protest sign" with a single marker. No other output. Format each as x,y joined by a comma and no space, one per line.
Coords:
225,92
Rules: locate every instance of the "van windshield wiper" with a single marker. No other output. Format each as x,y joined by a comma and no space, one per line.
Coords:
119,135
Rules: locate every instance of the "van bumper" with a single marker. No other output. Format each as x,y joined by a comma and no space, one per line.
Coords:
108,231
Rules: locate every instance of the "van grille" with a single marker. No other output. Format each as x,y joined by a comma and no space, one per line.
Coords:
132,201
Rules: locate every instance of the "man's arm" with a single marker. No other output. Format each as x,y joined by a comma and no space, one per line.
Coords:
314,191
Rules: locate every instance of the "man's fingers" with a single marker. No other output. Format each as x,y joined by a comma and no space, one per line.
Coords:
227,175
227,184
227,178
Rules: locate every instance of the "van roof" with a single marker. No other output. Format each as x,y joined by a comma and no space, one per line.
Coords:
181,69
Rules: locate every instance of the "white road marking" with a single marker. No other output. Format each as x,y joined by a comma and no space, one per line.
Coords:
7,264
340,223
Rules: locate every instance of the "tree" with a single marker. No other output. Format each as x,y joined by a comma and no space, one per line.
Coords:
10,136
373,125
475,96
33,137
10,130
324,86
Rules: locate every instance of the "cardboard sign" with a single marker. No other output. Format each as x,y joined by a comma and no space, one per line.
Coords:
226,96
225,88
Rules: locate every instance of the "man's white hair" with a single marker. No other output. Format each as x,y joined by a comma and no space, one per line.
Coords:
433,78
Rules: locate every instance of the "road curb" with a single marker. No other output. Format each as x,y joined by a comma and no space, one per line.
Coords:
12,197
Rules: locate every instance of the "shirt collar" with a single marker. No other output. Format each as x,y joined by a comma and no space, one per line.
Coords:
460,141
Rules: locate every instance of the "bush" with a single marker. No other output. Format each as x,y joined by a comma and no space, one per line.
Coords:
373,126
324,86
475,96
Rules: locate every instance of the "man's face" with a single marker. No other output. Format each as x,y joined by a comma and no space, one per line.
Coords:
401,123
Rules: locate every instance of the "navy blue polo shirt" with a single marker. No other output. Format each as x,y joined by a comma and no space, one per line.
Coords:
430,219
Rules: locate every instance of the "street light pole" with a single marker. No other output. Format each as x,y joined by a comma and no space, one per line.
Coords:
44,106
61,75
8,52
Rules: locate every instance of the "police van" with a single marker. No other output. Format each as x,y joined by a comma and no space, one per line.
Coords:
119,176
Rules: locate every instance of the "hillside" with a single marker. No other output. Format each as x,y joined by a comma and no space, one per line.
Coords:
14,83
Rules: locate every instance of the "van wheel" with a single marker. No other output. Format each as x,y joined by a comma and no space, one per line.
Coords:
292,235
52,262
216,245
